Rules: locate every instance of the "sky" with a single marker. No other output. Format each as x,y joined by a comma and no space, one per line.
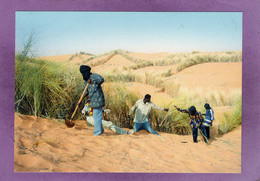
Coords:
62,33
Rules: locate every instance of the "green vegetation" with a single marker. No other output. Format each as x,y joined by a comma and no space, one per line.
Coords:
198,58
182,60
44,88
229,121
119,100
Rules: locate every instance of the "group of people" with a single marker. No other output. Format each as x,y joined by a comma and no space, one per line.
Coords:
198,123
93,109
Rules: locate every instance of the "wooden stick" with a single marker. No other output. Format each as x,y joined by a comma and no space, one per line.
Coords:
82,95
205,138
165,116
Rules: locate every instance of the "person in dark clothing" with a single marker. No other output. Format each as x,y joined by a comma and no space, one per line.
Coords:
209,117
95,96
196,121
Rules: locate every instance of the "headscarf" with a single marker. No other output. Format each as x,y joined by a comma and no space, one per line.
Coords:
192,110
207,106
85,71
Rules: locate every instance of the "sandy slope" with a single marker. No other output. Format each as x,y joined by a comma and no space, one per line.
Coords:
115,62
79,59
158,97
149,56
58,58
48,146
219,76
216,76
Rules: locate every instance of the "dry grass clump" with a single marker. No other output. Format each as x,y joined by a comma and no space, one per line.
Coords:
119,100
45,88
117,76
198,58
215,98
183,60
229,121
171,88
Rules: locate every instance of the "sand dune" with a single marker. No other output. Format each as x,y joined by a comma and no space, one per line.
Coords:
43,145
58,58
219,76
97,60
46,145
149,56
156,70
115,62
158,97
216,76
64,58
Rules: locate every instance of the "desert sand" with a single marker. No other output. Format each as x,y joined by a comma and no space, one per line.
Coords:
45,145
65,58
149,56
115,62
216,76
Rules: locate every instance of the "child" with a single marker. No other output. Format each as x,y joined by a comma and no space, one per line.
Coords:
196,121
209,117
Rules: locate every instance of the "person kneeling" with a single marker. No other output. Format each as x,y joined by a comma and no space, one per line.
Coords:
143,108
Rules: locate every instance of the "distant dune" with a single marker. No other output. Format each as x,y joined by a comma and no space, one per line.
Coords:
215,76
150,56
58,58
115,62
220,76
65,58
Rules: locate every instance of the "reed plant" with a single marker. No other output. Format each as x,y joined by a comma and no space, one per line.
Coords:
215,98
198,58
119,100
229,121
44,88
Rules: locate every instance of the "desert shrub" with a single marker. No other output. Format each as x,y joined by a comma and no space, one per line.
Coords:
171,88
168,73
215,98
229,121
175,121
198,58
45,88
119,77
119,100
178,123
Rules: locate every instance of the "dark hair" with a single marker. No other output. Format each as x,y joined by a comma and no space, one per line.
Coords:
85,71
207,106
192,110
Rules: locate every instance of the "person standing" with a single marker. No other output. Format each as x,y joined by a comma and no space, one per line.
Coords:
143,108
95,96
209,117
196,121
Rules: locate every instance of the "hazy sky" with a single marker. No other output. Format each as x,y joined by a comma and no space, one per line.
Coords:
59,33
